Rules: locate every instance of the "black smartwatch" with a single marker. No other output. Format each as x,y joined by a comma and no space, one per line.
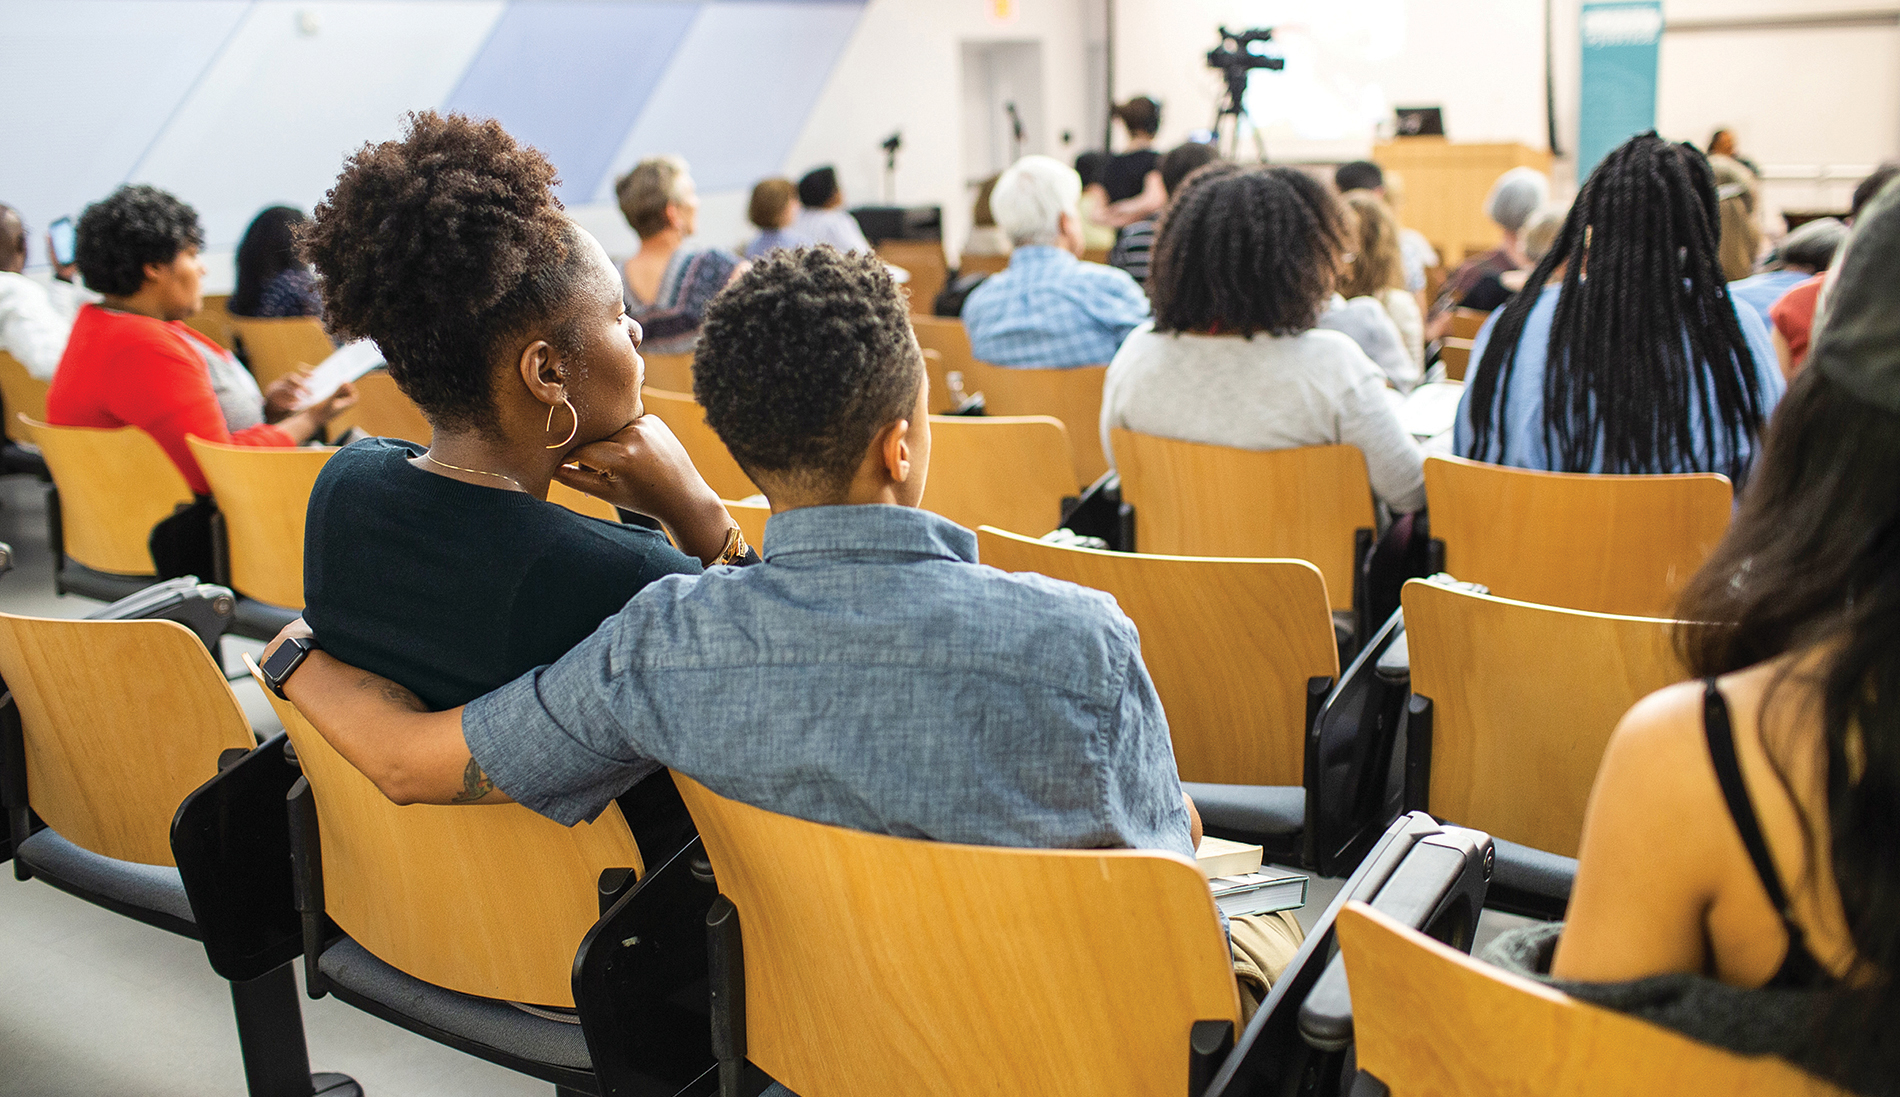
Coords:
285,660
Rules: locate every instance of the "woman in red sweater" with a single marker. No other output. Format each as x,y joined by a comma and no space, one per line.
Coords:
130,362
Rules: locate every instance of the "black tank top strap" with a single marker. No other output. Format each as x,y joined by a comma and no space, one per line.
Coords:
1798,967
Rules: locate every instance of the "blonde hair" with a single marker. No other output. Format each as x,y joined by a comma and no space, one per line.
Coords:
654,184
1376,265
771,199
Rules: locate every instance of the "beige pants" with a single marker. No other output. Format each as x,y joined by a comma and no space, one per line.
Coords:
1263,945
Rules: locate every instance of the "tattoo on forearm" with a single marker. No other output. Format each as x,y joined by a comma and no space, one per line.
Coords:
393,693
475,784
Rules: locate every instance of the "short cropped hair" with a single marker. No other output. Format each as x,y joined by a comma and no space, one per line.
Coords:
118,235
1140,115
1810,247
1870,186
770,199
1515,196
1359,175
818,187
1245,250
1540,233
1031,197
802,360
441,245
1182,161
654,184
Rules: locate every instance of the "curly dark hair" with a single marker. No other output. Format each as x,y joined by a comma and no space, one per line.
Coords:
438,246
131,227
803,360
1242,250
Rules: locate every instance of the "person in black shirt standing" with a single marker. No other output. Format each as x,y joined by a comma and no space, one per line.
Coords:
1129,187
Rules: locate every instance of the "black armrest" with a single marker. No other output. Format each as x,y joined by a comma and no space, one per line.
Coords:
1350,749
1272,1054
306,879
1438,889
641,984
231,840
19,817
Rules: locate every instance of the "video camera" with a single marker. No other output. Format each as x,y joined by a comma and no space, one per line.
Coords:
1235,54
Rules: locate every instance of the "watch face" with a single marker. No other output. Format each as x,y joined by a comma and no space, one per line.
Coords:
283,660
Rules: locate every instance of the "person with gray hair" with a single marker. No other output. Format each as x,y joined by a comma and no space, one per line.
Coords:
1802,254
669,282
1048,309
1516,195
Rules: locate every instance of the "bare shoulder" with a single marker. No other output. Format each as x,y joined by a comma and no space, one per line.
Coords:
1664,724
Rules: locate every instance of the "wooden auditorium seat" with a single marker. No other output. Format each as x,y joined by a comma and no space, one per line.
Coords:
946,336
1429,1021
669,372
687,420
1071,395
449,914
1312,503
1008,472
1242,653
383,411
1611,544
213,320
110,487
106,726
873,965
21,393
278,347
1512,706
263,495
928,269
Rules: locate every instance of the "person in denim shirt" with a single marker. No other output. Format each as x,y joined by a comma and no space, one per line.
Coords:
869,674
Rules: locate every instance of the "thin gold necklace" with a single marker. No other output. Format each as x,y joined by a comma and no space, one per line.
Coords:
429,457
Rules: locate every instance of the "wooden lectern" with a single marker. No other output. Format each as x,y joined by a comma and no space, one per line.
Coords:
1445,185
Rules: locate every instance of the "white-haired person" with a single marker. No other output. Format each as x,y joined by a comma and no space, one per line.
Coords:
1048,309
1516,195
670,281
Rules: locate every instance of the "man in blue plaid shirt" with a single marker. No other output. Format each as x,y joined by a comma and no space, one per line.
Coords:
1049,310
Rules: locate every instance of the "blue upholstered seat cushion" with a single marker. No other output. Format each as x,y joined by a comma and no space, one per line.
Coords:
1249,809
1524,869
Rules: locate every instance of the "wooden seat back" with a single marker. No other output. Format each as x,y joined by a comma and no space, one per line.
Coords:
114,486
876,964
581,503
687,420
122,720
213,320
1466,323
946,336
1198,500
21,393
928,269
968,264
279,346
1430,1021
1524,698
1230,645
1071,395
1008,472
263,494
490,900
1612,544
669,372
382,410
1455,353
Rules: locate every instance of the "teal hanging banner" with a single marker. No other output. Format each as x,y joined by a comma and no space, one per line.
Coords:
1621,40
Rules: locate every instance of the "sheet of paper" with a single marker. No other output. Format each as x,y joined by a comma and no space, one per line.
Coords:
1431,409
352,360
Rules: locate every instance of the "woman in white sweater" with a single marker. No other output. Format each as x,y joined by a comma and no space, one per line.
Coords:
1245,262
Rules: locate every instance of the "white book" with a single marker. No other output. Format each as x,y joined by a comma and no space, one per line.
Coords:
1260,892
1432,409
1221,857
350,361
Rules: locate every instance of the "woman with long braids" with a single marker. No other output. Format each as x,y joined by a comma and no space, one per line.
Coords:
1639,361
1743,830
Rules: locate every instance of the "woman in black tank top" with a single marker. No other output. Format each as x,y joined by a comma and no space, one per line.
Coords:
1798,613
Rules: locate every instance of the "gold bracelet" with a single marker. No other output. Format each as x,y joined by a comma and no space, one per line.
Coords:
735,548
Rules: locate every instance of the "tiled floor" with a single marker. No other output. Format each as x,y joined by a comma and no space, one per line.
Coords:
92,1003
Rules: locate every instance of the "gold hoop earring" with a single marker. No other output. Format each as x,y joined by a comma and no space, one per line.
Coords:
571,433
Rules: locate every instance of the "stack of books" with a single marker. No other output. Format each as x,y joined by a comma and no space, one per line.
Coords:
1242,885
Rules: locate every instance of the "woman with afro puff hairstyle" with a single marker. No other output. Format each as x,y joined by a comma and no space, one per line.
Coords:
130,360
1244,265
444,567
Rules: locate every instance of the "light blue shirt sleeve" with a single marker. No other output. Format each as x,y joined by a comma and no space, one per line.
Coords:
1143,793
1124,307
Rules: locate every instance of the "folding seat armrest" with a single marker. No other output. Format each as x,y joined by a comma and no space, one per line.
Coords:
1437,889
306,871
204,608
231,841
19,817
